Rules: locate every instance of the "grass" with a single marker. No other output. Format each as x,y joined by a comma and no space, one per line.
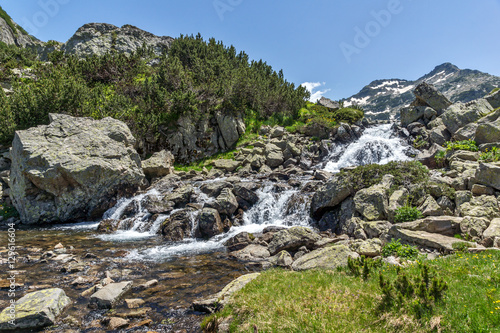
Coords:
331,301
205,162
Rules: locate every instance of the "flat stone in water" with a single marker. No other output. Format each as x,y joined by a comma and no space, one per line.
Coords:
106,297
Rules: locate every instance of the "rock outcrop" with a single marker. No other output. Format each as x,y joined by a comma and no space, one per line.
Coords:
13,34
72,169
100,38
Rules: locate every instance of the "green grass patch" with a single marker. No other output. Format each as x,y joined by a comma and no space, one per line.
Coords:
395,248
8,211
459,293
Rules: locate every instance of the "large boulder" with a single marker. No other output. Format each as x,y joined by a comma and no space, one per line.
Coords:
73,168
460,114
274,155
372,203
488,132
330,195
34,310
411,114
481,206
292,239
444,225
494,99
423,238
427,94
325,258
178,225
493,231
226,203
488,174
231,127
159,165
209,223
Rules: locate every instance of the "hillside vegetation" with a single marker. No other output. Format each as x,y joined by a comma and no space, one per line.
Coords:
196,77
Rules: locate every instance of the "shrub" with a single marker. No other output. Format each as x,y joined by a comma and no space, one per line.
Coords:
349,114
405,173
395,248
469,145
407,214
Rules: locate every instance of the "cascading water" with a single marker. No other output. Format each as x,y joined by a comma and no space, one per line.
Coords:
287,208
378,144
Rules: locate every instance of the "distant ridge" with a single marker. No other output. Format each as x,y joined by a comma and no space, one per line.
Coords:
382,99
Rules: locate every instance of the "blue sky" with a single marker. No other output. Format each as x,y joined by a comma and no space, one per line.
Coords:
338,46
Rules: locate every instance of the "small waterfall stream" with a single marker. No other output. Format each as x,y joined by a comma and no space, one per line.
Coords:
378,144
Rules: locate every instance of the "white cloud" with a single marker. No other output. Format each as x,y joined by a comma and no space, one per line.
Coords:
311,87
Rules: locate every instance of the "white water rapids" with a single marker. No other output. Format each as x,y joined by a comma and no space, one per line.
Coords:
274,207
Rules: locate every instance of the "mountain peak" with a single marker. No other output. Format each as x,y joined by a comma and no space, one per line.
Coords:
382,99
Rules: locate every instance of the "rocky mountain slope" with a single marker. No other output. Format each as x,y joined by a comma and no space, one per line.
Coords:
90,39
382,99
12,33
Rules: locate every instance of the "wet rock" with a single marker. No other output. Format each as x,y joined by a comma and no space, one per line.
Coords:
330,195
246,192
35,310
178,225
107,297
213,189
117,323
158,165
292,239
326,258
226,203
180,196
209,223
322,175
135,303
239,241
155,205
55,179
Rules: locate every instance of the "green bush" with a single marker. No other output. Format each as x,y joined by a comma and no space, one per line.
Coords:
469,145
440,158
395,248
407,214
349,115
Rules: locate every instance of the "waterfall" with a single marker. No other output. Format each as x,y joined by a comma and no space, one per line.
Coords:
378,144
